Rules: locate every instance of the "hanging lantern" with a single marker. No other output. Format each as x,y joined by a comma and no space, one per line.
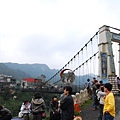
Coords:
67,76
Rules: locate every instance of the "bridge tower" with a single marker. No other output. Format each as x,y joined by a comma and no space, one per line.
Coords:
106,70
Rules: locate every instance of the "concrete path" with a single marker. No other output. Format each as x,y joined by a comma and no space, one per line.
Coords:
88,114
117,117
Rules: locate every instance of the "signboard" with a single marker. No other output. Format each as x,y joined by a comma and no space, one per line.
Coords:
115,37
104,67
112,65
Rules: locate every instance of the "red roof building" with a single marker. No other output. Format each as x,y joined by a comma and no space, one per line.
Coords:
30,82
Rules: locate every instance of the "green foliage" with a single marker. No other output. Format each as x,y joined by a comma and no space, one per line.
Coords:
86,103
14,104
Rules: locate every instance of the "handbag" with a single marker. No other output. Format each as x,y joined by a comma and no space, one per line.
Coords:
43,114
20,114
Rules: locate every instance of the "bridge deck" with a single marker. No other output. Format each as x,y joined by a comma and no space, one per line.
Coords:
88,114
46,91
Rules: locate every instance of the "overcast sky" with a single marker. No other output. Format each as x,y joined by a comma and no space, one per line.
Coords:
51,31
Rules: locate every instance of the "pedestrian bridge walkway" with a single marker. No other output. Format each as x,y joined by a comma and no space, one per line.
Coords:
88,114
117,116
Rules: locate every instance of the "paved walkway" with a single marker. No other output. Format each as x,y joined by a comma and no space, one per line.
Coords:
88,114
117,116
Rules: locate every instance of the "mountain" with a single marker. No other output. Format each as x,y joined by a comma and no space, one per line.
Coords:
82,80
15,73
33,70
20,71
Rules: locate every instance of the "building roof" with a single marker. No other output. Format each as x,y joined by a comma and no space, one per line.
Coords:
31,80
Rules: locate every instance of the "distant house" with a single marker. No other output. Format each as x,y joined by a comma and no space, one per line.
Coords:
30,83
7,81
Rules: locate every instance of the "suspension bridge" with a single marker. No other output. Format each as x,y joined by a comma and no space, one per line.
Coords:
99,58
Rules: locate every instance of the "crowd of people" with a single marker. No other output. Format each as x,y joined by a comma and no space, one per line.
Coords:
102,100
59,110
62,110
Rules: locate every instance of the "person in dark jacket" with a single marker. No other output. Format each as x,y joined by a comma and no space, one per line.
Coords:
94,88
37,106
54,109
67,105
5,114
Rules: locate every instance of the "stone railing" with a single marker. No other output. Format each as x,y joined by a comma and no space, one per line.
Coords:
82,97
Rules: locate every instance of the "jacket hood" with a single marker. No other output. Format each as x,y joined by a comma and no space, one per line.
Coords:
37,101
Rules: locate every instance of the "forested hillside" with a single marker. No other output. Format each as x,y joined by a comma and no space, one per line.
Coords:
20,71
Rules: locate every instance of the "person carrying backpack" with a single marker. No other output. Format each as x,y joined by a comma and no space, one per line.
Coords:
99,96
37,106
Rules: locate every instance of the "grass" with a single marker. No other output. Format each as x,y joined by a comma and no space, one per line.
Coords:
86,104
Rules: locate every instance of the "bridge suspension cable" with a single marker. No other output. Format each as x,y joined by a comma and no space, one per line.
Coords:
72,60
78,53
80,65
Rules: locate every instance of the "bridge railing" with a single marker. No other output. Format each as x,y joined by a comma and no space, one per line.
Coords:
81,96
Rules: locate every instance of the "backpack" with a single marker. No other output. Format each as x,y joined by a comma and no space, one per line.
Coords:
97,99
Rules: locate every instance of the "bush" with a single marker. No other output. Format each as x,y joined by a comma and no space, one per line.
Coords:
14,103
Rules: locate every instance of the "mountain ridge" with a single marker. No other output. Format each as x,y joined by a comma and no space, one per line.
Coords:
20,71
33,70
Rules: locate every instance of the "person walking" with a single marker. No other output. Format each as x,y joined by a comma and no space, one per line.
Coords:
67,105
37,106
109,103
54,109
